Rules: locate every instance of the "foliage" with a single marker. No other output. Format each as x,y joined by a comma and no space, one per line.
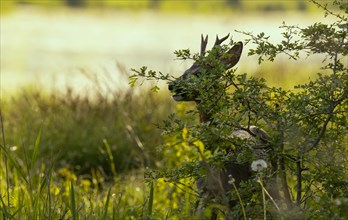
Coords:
78,156
307,125
42,192
86,132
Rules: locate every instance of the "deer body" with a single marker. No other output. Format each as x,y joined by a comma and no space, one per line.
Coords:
217,181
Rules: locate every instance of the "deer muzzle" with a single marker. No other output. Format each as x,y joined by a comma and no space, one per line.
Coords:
178,94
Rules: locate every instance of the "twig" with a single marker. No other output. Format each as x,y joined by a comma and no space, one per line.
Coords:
324,7
299,180
179,183
269,195
321,133
284,182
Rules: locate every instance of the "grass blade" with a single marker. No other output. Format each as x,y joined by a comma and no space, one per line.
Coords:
36,149
15,163
107,204
3,209
111,157
149,208
73,202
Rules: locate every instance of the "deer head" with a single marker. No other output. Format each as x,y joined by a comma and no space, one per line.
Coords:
183,90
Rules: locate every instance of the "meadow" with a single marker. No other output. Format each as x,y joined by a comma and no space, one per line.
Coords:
69,155
82,153
99,145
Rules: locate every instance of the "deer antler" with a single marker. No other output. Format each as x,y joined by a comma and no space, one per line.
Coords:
204,42
219,41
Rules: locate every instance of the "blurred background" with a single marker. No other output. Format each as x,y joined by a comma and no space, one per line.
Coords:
65,67
48,42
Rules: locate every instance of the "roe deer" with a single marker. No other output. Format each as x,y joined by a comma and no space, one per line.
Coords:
217,181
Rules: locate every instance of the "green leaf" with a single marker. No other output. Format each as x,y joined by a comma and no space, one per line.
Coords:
155,89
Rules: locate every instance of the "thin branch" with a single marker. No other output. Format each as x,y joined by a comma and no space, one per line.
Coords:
284,182
299,180
268,122
321,133
327,10
179,183
307,191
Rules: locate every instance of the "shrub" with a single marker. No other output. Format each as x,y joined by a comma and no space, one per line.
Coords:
307,125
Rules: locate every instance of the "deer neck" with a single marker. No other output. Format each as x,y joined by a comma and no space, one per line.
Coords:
208,109
204,115
204,118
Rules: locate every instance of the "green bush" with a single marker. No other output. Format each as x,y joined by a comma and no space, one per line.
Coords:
307,127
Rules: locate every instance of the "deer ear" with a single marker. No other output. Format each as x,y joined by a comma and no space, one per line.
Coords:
232,56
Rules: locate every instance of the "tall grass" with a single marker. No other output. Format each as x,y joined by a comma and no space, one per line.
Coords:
69,156
78,156
46,193
83,131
